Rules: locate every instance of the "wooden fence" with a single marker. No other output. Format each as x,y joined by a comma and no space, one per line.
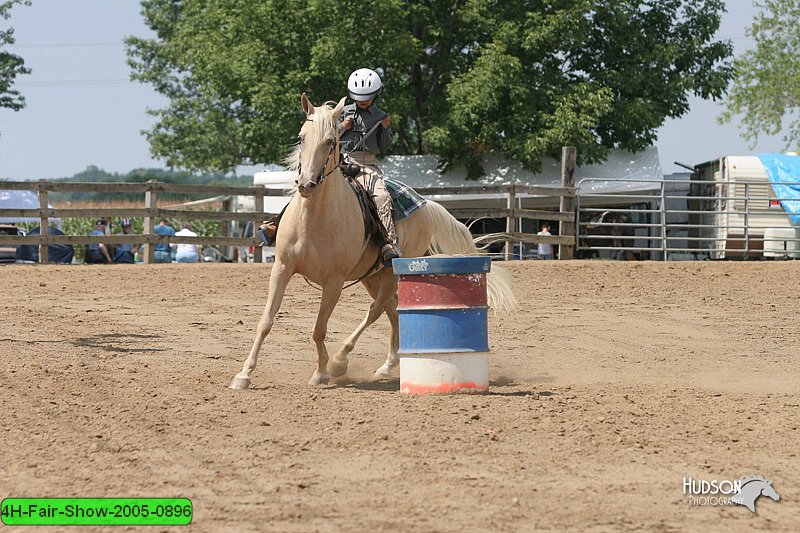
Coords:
152,213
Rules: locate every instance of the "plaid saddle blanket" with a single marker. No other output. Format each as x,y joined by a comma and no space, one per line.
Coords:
405,200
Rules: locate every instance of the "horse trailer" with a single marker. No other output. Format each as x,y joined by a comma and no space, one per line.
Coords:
735,212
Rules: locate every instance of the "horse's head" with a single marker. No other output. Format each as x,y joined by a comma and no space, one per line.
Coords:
317,152
770,492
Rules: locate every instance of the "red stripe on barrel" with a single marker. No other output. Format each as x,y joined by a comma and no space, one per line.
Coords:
443,388
442,291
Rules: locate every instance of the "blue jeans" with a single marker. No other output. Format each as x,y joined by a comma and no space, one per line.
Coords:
183,257
162,256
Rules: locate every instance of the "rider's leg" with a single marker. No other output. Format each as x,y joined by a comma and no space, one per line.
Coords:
267,232
372,180
383,202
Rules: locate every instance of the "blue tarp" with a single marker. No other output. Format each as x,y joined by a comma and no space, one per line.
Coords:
784,174
56,253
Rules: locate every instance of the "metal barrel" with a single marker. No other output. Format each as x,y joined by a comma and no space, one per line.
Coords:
442,310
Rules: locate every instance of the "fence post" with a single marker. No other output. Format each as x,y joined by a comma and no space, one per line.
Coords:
569,156
663,215
150,203
44,222
258,198
225,225
511,205
746,217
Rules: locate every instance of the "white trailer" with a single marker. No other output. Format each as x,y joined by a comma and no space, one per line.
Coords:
738,214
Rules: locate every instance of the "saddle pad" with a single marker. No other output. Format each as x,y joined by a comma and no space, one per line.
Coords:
405,200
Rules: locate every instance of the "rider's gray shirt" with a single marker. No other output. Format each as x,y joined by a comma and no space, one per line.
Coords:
363,120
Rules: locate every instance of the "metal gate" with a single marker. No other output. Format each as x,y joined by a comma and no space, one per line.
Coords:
682,219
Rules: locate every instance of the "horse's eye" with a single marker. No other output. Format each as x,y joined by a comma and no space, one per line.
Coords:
301,137
329,141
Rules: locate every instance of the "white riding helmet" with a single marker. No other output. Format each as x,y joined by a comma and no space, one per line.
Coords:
364,84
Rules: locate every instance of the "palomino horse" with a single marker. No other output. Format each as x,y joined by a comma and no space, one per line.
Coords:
322,238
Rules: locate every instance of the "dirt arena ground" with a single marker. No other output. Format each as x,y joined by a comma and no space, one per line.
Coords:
612,383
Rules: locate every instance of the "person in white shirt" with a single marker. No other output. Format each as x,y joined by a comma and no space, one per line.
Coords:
187,253
545,250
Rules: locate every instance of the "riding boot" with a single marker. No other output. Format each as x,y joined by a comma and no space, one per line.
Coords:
267,232
388,252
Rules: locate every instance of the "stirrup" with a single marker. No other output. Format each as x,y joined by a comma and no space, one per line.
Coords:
388,252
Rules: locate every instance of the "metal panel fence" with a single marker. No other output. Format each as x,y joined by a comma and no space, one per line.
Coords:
675,219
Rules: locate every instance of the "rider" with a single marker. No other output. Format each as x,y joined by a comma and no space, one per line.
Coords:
355,122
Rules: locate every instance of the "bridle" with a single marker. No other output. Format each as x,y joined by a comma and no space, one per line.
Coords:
322,174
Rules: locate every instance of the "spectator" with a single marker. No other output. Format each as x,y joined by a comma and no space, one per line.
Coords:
124,251
97,253
244,251
545,249
187,253
161,249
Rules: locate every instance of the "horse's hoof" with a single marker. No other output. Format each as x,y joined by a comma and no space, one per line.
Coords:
240,382
384,372
319,379
338,368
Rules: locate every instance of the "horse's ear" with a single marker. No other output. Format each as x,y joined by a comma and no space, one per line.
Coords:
338,109
308,107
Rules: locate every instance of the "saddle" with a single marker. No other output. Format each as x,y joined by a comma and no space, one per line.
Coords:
373,227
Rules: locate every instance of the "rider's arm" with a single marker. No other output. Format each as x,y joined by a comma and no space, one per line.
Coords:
384,137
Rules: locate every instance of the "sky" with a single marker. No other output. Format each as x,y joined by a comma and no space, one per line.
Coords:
82,109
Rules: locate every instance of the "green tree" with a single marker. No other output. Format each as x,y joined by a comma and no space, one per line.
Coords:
11,65
766,89
520,77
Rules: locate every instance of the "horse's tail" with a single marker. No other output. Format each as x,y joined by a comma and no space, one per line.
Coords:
451,237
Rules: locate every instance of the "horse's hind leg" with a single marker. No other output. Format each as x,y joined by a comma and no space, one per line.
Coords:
279,279
381,287
330,295
392,360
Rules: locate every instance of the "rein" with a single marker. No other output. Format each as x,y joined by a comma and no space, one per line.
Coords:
335,145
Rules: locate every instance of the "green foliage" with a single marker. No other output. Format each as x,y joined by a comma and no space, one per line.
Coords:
521,77
766,91
93,174
11,65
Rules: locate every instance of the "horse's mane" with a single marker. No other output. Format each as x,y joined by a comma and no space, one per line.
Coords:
324,124
748,479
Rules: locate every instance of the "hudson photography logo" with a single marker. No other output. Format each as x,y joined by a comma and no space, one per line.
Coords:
744,491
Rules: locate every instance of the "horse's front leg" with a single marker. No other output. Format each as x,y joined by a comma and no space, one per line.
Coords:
330,296
279,279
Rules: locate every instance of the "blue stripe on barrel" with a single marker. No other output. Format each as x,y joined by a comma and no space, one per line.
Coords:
443,330
438,311
441,265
